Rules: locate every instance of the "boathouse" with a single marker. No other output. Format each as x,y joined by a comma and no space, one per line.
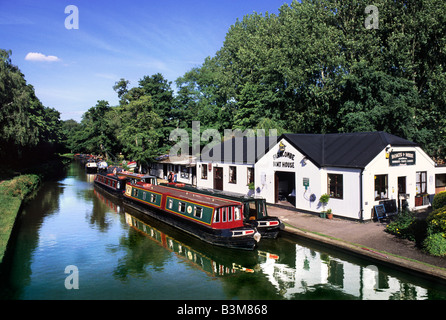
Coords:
359,171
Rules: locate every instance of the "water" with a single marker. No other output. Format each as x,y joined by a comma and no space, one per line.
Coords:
122,254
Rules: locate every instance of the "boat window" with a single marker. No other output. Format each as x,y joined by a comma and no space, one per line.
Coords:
144,195
198,212
153,197
230,209
170,205
217,215
252,210
223,213
181,207
236,213
135,192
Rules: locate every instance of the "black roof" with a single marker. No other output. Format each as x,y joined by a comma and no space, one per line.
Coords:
246,150
350,150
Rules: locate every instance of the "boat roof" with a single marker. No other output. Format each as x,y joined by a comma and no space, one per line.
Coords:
187,195
135,175
216,193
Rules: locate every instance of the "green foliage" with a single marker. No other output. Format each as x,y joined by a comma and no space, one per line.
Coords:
20,186
439,200
315,68
311,68
25,124
437,221
435,244
407,226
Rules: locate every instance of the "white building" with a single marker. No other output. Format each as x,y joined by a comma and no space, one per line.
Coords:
358,170
230,165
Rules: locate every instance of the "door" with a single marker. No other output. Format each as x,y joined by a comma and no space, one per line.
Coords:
402,197
218,178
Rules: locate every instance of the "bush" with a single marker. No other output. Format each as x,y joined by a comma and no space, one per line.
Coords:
435,244
20,186
439,200
436,221
402,225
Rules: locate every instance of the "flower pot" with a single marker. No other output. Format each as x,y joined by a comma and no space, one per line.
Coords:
330,216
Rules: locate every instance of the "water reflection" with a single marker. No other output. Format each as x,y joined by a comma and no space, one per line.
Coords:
295,271
318,272
123,254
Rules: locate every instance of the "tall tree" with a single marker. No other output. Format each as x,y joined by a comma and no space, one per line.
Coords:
25,124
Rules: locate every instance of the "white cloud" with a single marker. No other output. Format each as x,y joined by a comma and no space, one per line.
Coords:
35,56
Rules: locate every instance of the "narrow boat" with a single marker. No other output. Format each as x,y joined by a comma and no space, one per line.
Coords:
213,220
91,167
114,180
254,209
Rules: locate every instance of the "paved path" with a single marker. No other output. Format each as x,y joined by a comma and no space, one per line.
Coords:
368,239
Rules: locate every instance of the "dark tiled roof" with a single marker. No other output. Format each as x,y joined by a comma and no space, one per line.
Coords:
245,150
351,150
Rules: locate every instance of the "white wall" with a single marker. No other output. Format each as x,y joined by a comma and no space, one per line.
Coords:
268,165
349,205
242,177
380,165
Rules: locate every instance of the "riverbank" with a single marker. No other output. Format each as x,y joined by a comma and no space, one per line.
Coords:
366,239
16,187
12,194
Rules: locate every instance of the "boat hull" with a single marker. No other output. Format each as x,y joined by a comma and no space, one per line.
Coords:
216,237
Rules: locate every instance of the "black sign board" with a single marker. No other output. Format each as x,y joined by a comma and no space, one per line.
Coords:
402,158
380,211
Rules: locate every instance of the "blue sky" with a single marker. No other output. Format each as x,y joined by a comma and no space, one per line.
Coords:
71,69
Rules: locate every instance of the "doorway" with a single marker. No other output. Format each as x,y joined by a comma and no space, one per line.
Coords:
218,178
402,194
285,185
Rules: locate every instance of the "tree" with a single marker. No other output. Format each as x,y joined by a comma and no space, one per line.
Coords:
25,124
138,134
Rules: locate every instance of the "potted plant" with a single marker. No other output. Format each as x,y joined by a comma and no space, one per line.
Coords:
329,214
251,189
323,200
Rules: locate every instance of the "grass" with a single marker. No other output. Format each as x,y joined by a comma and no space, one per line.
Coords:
12,193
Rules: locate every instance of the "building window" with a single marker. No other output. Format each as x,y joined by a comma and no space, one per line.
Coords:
250,175
232,174
381,187
335,186
421,182
204,171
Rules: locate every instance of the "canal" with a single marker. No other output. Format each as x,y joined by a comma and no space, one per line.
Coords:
73,241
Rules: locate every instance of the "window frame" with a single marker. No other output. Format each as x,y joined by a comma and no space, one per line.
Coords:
386,186
336,185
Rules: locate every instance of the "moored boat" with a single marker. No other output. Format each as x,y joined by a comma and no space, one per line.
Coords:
91,167
254,209
213,220
115,178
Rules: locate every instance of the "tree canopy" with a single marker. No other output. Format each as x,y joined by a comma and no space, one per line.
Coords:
315,67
